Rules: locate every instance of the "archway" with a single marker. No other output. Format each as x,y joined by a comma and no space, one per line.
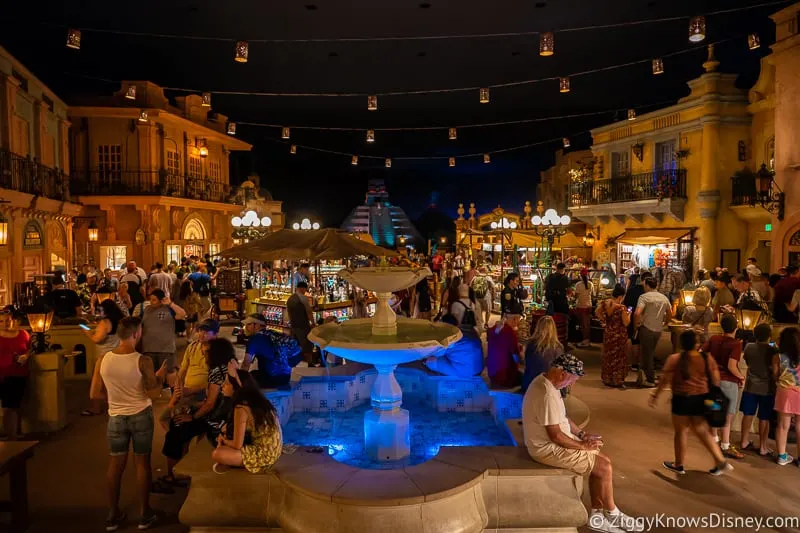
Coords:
194,236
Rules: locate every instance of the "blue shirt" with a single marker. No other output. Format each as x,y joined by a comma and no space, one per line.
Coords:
199,280
276,353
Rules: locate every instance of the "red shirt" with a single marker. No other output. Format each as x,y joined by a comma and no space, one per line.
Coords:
500,362
10,349
723,348
437,262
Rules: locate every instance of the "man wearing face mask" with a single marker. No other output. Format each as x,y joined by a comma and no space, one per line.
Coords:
555,440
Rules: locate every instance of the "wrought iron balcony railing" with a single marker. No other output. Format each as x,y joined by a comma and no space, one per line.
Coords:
744,190
147,183
22,174
655,185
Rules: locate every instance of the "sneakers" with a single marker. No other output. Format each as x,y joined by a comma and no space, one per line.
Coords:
721,469
732,452
599,522
114,520
648,385
624,522
670,465
784,459
147,521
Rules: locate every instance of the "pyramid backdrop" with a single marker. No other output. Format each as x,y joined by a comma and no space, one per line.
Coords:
385,222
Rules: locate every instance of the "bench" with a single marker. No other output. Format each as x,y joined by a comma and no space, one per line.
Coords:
13,461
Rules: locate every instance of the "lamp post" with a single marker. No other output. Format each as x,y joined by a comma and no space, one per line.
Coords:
250,226
305,225
40,323
550,226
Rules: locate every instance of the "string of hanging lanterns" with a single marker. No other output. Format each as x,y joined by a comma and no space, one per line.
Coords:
241,50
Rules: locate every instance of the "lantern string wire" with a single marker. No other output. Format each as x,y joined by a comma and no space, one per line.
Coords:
415,37
607,68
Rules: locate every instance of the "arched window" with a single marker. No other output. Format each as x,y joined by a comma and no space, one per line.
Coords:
194,230
32,235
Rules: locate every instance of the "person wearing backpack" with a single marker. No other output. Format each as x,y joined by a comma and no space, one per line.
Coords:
135,278
463,309
483,288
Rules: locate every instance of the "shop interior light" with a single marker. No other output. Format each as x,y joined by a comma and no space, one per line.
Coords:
697,29
130,92
242,52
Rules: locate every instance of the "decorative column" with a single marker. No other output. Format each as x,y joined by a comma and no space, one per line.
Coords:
8,105
709,196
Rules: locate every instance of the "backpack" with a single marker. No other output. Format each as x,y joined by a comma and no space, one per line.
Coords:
468,321
480,285
135,290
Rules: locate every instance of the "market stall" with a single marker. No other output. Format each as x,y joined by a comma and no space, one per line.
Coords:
652,248
328,250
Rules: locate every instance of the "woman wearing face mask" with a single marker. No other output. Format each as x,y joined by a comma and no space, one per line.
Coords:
14,354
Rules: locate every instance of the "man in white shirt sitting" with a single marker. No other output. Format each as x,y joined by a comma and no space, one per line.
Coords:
555,440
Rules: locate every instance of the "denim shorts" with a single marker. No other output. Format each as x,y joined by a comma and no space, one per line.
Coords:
124,429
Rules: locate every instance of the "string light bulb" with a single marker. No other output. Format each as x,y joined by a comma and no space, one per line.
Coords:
206,100
631,114
753,41
372,103
487,159
658,66
546,44
697,29
452,161
484,95
452,134
130,92
388,163
566,142
370,136
242,52
143,116
354,160
231,128
285,133
74,39
293,149
563,85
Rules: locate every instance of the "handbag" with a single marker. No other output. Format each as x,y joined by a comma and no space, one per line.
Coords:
715,405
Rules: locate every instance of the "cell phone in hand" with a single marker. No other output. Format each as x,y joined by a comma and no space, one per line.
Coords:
84,327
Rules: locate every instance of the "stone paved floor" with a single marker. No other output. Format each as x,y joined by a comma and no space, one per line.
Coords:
67,484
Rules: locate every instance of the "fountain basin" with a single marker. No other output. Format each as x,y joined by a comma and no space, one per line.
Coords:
384,278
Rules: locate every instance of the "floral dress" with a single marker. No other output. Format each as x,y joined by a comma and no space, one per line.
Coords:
266,445
615,338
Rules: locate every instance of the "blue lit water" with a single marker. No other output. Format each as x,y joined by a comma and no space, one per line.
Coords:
343,433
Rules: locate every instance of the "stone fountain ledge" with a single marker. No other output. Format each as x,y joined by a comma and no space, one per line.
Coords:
462,489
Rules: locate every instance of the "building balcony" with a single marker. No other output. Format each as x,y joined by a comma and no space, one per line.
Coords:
25,175
147,183
657,194
746,201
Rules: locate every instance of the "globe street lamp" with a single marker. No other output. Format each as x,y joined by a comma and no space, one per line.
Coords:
550,226
250,226
306,225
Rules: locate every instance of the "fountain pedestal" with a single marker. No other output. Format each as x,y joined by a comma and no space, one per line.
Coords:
386,427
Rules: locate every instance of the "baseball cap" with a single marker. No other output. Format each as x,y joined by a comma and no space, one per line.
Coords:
569,363
209,325
255,318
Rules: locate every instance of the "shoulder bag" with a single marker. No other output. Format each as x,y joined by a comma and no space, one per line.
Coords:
716,403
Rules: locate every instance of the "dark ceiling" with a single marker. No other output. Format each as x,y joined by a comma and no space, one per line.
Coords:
327,185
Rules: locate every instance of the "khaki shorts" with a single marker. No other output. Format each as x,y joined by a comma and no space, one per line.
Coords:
578,461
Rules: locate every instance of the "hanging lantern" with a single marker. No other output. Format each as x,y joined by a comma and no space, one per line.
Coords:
546,44
452,161
588,239
285,133
566,142
697,29
370,136
231,128
563,85
242,52
143,116
293,149
631,114
204,151
753,41
372,103
206,100
484,95
3,230
658,66
388,163
486,159
354,160
93,231
74,39
130,92
451,134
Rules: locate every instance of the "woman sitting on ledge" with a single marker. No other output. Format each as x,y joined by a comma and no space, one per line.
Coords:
255,440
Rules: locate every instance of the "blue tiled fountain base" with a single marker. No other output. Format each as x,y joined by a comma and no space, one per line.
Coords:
342,433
